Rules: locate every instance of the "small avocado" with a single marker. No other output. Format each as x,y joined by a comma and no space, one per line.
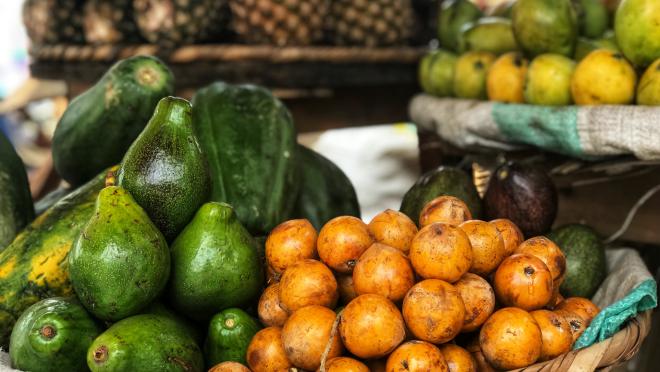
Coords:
229,335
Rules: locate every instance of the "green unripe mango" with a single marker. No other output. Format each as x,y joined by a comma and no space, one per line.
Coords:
593,18
637,29
545,26
491,34
452,16
436,73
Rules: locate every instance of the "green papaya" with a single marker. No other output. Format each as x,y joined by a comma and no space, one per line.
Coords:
53,335
229,335
490,34
145,343
16,209
35,266
215,264
250,141
165,169
453,15
326,192
120,262
437,182
545,26
99,125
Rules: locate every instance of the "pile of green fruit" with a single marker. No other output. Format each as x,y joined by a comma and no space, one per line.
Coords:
155,264
547,52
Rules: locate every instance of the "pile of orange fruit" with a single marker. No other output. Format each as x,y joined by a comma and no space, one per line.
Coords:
387,296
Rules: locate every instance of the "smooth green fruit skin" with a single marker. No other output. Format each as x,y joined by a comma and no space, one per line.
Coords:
74,330
216,264
120,262
99,125
437,182
490,34
545,26
636,25
548,80
16,209
593,18
165,169
326,191
229,335
436,73
250,140
586,266
145,343
585,46
157,308
452,16
34,265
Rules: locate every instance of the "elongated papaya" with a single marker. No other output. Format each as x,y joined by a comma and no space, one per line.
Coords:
35,266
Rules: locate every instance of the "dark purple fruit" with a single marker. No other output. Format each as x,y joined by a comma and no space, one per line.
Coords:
525,195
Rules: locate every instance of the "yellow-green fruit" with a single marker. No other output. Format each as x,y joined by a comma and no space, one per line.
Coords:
637,28
603,77
436,73
489,34
648,90
506,78
470,74
549,80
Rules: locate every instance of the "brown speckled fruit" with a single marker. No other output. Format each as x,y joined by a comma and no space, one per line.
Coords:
580,306
555,332
229,367
306,334
548,252
487,246
479,299
510,339
342,241
511,235
371,326
346,288
458,359
344,364
441,251
265,353
446,209
393,228
290,242
271,314
523,281
385,271
307,282
416,356
434,311
577,324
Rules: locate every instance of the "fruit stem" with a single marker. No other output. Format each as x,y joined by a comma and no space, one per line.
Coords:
48,331
230,323
328,346
101,354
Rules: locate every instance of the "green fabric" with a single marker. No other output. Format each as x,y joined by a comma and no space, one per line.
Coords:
550,128
611,318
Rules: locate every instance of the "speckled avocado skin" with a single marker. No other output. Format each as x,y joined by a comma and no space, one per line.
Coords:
145,343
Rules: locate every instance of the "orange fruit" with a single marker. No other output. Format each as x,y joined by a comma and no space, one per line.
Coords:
441,251
393,228
511,234
580,306
342,241
487,246
548,252
434,311
346,288
479,300
371,326
271,314
307,282
511,339
344,364
306,334
555,333
385,271
458,359
523,281
446,209
290,242
229,367
265,353
576,322
416,356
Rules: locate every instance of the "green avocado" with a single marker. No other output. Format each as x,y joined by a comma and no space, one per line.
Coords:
229,335
145,343
453,15
99,125
120,262
545,26
52,335
586,266
215,264
165,169
158,308
441,181
16,209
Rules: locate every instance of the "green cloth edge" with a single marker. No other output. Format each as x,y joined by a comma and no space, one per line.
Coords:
610,319
547,127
